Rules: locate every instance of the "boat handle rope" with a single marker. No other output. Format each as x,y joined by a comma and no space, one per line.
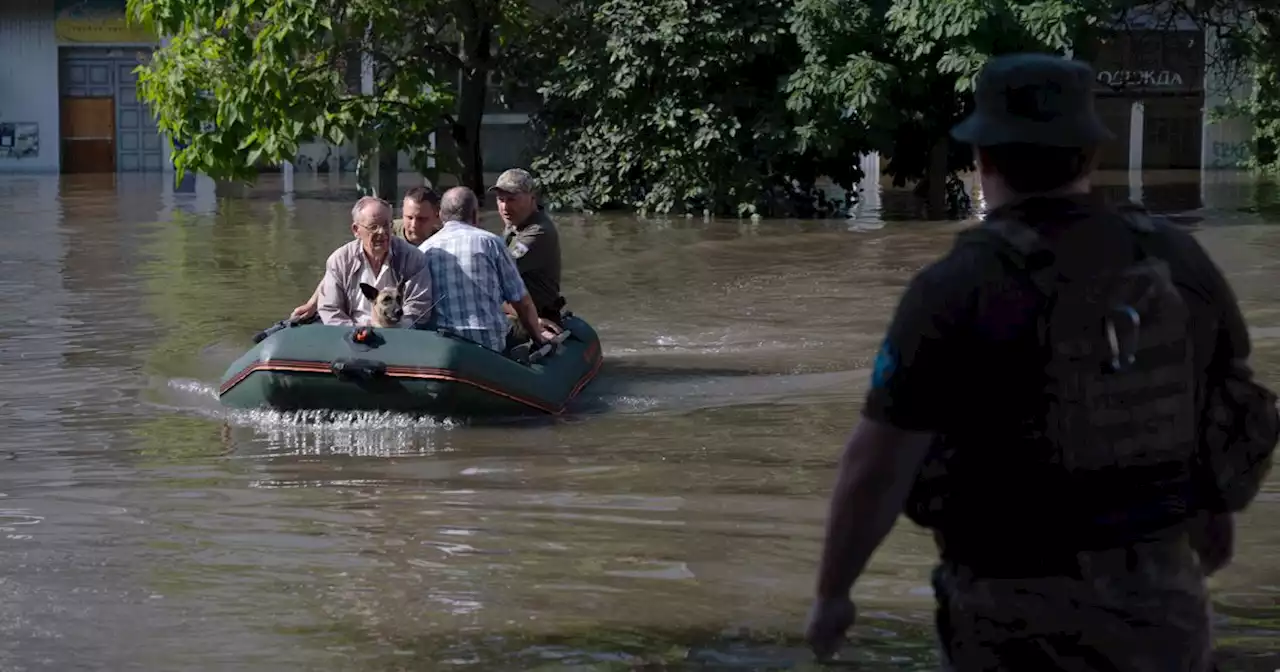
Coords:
427,313
358,369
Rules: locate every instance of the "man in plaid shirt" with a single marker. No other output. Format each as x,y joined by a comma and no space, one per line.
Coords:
472,275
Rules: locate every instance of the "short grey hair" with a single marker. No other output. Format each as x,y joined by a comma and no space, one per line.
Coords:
364,203
459,204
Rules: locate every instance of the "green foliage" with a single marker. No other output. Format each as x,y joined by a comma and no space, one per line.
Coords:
907,67
732,107
271,74
676,106
1248,36
1264,106
739,105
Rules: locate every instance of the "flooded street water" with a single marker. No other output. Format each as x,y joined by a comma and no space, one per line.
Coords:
674,518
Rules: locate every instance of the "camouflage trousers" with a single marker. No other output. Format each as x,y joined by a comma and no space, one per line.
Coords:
1141,608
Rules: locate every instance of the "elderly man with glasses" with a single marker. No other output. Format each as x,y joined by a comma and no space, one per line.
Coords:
421,220
378,258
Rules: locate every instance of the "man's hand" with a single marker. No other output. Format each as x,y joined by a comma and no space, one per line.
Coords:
304,311
829,619
1213,536
549,330
309,308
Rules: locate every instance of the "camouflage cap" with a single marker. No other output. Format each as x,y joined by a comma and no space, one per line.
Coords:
515,181
1039,99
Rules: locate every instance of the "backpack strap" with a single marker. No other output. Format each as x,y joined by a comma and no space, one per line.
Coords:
1022,247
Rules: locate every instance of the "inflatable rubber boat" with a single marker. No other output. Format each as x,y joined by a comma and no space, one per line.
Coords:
315,367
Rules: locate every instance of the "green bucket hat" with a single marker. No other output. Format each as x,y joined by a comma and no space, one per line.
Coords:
1037,99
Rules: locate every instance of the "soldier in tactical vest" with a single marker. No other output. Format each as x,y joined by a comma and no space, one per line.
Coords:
1063,401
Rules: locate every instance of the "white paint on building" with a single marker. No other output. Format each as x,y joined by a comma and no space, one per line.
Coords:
1137,127
29,86
1226,140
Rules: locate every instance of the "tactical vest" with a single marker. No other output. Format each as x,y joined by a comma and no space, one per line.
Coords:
1118,433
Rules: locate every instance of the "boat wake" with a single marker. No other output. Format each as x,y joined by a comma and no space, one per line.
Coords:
199,397
629,384
632,389
620,389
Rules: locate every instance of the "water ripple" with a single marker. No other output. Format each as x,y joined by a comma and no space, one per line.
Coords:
672,519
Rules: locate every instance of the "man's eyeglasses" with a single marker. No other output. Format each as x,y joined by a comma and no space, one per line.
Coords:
381,226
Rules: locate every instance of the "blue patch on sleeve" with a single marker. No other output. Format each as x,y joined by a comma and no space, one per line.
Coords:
886,363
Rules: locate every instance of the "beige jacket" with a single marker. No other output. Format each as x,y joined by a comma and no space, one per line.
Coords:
342,303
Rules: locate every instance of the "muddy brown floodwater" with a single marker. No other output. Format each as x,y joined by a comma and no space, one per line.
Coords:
673,518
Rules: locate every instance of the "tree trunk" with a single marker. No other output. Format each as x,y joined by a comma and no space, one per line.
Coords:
466,130
366,152
378,170
386,173
937,178
473,94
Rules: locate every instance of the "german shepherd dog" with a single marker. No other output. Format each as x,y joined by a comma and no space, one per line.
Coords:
388,305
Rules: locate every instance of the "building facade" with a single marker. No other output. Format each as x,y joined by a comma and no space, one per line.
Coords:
68,93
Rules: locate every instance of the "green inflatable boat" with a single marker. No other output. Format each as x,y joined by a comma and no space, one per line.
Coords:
318,367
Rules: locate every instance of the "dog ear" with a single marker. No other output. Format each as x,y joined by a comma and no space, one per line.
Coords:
401,287
369,291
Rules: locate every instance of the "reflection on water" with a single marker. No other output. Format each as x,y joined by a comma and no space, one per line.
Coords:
672,518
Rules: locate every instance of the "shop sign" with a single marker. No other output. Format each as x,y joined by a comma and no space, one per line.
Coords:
96,22
1121,79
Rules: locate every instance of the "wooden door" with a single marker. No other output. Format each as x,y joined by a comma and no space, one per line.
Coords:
89,135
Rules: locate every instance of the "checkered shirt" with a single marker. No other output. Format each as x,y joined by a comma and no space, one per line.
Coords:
472,274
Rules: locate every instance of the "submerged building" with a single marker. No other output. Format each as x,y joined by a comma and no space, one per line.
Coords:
68,94
69,100
1160,77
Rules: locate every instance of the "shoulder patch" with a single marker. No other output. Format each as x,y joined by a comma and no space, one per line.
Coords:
885,365
519,249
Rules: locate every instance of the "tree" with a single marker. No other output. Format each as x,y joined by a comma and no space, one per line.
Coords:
677,106
907,67
484,49
739,105
244,82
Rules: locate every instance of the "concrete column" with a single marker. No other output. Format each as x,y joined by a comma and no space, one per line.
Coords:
1137,116
869,205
